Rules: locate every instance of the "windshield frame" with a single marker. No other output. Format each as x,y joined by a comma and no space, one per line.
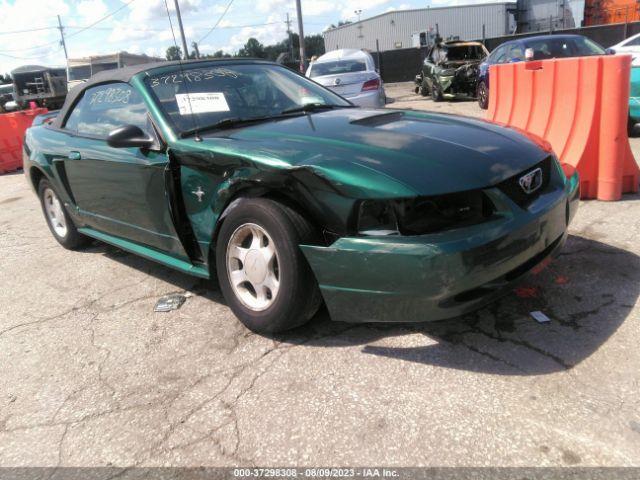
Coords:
446,48
169,125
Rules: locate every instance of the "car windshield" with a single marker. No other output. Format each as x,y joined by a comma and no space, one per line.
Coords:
337,68
203,96
462,52
563,47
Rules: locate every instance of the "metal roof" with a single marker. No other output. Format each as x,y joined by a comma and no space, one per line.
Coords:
412,10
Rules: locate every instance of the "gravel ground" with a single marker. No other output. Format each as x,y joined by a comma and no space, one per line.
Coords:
91,376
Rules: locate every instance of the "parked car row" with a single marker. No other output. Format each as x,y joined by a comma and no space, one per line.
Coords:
461,69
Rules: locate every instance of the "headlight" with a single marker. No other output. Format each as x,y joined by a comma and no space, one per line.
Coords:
377,217
424,215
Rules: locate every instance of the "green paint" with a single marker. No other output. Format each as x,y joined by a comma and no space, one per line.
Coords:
148,253
325,164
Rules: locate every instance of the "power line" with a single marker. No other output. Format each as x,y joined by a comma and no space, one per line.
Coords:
12,32
218,22
101,19
83,29
31,57
226,27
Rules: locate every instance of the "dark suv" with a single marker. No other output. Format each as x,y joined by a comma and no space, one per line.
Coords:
543,47
450,70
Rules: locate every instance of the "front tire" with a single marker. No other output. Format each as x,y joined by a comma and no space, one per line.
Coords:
436,93
424,88
58,220
483,96
263,274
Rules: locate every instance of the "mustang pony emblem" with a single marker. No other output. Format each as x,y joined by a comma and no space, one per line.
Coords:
532,181
199,193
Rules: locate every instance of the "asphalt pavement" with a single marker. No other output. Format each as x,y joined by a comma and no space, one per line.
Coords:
91,376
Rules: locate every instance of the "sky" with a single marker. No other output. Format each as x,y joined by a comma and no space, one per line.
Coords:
28,33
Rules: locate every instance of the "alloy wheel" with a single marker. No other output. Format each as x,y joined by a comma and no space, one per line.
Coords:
55,213
482,95
252,266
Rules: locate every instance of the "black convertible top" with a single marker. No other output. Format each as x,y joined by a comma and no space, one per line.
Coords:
125,74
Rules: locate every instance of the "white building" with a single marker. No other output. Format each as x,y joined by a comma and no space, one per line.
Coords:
412,28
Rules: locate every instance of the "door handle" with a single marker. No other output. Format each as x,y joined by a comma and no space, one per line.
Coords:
74,156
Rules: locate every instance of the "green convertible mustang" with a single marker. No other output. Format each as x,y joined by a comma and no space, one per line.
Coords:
247,171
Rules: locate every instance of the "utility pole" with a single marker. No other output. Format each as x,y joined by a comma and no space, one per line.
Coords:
288,22
301,33
184,40
196,49
64,45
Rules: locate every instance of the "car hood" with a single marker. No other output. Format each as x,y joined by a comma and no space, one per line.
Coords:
386,153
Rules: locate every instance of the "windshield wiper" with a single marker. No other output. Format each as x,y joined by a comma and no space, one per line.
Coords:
228,122
231,122
313,107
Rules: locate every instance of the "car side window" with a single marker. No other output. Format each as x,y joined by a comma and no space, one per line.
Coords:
633,43
516,53
106,107
498,55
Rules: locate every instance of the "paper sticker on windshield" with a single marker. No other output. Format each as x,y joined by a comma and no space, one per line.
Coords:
190,103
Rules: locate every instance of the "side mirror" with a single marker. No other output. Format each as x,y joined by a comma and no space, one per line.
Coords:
610,51
129,136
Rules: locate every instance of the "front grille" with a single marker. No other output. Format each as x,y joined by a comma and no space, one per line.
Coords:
511,186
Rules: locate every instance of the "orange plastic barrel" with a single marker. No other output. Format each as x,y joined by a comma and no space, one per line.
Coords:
578,105
12,128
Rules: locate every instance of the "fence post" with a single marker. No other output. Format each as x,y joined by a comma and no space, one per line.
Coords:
378,55
626,23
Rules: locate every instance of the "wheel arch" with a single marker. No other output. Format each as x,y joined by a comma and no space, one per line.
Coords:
260,191
36,174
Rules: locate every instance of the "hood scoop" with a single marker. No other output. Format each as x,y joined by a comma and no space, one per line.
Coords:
379,120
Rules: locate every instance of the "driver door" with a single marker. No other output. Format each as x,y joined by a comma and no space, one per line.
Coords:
119,191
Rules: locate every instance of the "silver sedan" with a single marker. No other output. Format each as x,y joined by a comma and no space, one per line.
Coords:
352,75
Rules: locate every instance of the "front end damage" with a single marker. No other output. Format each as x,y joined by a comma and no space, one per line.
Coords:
435,276
458,81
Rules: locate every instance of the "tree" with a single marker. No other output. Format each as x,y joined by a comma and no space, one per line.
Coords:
253,48
340,23
314,45
174,53
220,54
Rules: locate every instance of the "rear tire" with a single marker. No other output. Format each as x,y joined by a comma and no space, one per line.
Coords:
436,93
424,89
483,96
58,220
262,272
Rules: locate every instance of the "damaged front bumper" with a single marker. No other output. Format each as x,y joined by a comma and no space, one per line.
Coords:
438,276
